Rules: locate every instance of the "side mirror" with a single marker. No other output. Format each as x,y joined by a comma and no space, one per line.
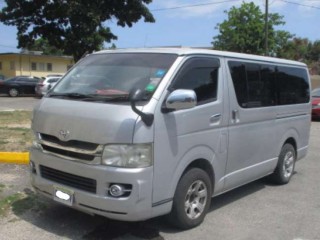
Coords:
136,95
181,99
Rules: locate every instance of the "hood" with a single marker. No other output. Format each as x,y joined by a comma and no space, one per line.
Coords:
99,123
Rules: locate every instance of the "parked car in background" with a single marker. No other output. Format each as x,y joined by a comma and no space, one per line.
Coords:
19,85
316,103
45,85
54,75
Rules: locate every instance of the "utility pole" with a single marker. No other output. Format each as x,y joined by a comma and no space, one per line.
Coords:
266,29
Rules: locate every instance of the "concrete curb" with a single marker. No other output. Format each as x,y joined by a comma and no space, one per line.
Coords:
14,157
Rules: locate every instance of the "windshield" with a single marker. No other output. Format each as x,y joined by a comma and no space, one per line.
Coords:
113,75
315,92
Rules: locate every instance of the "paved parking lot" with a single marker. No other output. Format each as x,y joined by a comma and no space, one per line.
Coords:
257,211
18,103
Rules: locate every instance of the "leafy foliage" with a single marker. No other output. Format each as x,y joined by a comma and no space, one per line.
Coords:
75,26
296,49
244,31
44,46
314,53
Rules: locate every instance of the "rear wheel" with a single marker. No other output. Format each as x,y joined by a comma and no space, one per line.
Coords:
286,164
13,92
191,200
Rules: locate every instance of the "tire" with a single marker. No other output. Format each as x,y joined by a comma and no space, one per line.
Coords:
13,92
285,167
191,200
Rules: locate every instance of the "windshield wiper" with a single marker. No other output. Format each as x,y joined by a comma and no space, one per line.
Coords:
108,98
92,97
71,95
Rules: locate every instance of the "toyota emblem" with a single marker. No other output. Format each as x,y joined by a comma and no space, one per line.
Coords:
63,135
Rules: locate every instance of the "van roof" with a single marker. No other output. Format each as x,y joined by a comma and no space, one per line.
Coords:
194,51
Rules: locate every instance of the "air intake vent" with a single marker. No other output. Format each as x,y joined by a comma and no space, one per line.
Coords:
68,179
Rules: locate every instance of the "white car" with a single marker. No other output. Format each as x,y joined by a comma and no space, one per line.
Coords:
45,85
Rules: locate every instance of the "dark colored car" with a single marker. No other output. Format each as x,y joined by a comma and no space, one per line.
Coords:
316,103
19,85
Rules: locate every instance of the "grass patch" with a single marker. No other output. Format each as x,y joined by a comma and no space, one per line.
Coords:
15,132
15,117
2,186
19,203
6,203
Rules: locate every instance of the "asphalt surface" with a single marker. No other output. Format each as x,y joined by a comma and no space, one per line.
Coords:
17,103
257,211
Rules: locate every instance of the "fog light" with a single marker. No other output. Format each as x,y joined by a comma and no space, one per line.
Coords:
116,190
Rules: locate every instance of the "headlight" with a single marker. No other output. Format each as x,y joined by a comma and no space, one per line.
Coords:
128,156
35,142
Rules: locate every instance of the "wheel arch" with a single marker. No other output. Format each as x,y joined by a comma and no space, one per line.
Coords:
193,160
204,165
290,137
293,142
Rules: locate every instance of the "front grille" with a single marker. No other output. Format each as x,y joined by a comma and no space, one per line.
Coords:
72,150
68,179
66,153
70,144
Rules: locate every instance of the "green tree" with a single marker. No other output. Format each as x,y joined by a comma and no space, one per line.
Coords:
244,31
75,26
43,46
296,49
314,54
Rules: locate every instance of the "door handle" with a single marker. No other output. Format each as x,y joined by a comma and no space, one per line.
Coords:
235,116
215,117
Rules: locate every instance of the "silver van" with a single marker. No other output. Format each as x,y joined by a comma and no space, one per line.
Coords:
135,134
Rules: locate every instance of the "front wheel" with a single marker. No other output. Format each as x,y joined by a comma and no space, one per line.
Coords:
286,164
191,200
13,92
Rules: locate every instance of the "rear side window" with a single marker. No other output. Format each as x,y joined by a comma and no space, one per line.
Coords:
200,75
263,85
293,86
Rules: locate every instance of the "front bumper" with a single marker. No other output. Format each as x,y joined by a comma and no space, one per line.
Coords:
135,207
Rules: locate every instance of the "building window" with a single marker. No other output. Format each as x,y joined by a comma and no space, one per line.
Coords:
41,67
0,65
12,65
34,66
49,67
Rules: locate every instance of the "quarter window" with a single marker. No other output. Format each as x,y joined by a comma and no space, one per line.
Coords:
293,86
